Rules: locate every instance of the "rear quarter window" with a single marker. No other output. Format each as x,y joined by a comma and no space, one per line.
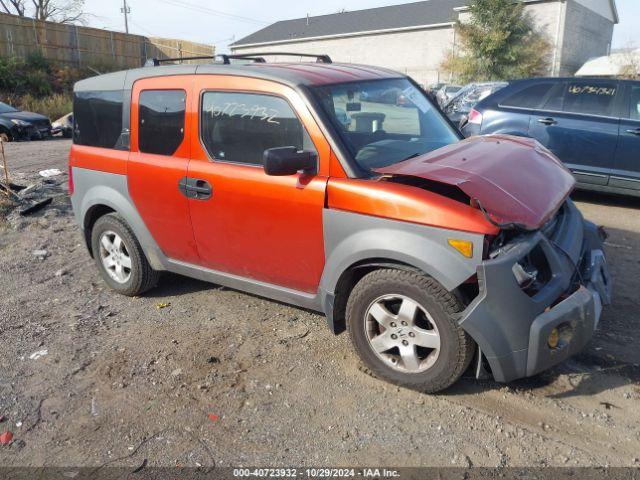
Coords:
98,118
531,96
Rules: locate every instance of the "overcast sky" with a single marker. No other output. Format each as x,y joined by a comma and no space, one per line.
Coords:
218,22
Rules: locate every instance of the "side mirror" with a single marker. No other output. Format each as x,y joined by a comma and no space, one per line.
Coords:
284,161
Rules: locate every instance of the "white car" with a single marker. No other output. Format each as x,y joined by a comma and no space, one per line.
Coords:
446,93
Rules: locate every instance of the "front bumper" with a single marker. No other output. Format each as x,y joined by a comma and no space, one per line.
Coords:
30,132
512,327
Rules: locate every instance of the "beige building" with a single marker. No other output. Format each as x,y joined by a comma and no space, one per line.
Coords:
414,38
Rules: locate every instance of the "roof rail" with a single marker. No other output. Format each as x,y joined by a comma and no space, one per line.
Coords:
226,59
319,58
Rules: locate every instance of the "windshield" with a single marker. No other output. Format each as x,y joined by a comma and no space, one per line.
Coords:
383,122
4,108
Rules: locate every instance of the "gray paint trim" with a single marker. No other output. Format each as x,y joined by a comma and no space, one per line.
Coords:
351,238
109,81
256,287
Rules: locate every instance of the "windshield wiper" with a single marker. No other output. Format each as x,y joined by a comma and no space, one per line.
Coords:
413,155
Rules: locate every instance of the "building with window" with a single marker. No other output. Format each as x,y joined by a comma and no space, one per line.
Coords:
414,38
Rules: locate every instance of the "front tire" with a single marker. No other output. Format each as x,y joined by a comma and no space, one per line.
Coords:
120,258
403,327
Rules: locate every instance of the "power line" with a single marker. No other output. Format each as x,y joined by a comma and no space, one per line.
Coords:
142,28
210,11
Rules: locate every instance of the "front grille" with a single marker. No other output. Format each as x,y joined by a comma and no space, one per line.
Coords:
41,124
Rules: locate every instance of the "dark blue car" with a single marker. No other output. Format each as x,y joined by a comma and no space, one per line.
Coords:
592,125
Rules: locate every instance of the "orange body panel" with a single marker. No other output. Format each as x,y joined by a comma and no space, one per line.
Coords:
258,226
100,159
153,179
405,203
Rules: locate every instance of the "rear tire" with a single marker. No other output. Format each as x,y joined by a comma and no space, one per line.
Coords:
119,257
420,346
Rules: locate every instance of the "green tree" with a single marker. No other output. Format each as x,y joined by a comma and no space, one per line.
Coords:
497,42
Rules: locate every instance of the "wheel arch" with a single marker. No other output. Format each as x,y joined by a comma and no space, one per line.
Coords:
6,129
354,242
349,279
95,197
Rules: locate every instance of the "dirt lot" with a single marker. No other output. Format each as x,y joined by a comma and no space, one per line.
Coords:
124,380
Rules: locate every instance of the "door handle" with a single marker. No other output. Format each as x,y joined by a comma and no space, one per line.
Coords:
547,121
195,188
634,132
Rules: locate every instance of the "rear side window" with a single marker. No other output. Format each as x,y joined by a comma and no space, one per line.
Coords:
590,98
98,118
529,97
239,127
161,123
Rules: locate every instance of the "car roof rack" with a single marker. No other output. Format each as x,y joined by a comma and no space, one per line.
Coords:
226,59
319,58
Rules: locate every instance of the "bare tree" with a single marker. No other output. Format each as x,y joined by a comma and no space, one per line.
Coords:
61,11
631,63
14,7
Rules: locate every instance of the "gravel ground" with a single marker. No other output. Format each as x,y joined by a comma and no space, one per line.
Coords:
195,374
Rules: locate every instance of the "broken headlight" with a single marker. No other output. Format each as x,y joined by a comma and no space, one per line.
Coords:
532,272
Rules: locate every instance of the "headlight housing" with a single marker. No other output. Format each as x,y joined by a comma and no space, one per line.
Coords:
20,123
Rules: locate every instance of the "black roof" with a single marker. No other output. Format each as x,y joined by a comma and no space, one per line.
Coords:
430,12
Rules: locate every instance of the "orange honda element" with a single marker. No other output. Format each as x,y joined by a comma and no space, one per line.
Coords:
343,189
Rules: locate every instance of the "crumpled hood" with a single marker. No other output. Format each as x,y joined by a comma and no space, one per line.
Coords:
514,179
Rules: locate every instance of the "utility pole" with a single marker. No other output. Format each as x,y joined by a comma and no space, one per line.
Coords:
126,10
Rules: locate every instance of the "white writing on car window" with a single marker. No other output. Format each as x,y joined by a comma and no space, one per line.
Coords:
592,90
245,111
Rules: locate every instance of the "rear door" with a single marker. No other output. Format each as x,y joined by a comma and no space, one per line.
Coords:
626,171
159,159
579,124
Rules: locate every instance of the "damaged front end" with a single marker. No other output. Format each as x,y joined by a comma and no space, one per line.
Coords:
541,296
544,278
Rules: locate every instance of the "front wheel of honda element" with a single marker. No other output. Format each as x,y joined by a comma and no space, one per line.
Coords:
120,258
403,327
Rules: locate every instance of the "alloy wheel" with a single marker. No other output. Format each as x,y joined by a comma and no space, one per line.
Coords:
115,257
402,333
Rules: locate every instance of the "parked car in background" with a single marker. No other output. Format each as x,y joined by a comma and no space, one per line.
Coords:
433,89
592,125
18,125
63,126
458,108
446,93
